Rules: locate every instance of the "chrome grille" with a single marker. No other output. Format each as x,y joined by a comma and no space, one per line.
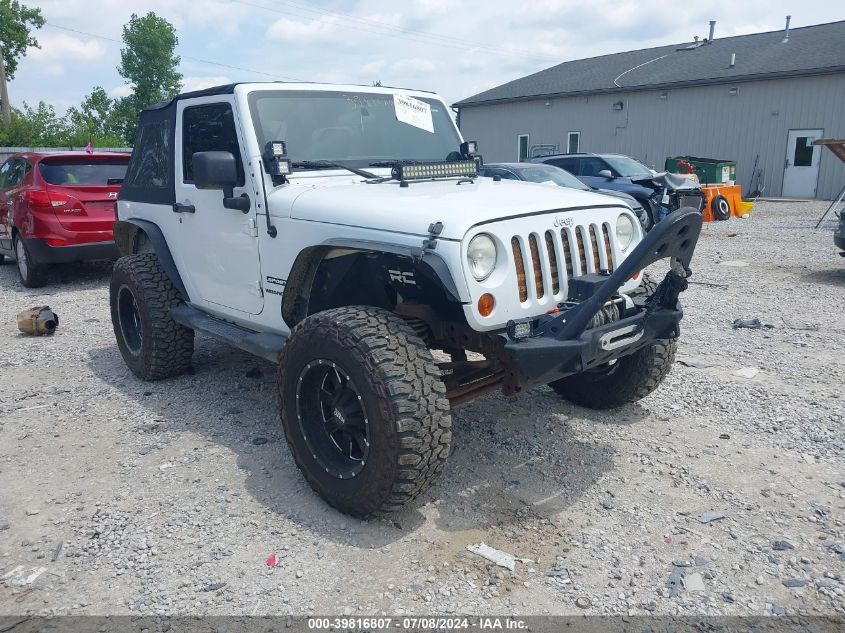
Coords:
543,262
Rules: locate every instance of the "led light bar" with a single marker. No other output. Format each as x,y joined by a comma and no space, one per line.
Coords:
427,171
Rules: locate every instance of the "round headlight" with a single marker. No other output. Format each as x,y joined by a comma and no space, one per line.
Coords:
481,256
624,231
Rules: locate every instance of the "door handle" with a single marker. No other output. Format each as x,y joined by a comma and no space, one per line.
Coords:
183,208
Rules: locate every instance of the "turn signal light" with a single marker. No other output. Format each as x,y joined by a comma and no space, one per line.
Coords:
486,303
636,275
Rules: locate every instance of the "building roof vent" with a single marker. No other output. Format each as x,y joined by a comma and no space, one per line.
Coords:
786,30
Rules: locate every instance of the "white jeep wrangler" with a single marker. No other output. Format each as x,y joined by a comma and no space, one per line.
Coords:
342,232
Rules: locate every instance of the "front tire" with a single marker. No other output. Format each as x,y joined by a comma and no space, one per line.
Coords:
629,379
31,273
152,344
364,409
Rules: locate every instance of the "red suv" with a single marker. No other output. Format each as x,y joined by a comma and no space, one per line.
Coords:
57,208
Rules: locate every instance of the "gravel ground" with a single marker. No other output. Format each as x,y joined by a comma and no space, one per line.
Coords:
170,497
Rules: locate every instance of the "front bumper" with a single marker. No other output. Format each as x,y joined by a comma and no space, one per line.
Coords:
43,253
565,343
544,359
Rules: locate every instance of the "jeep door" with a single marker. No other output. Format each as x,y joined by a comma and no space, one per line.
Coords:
218,247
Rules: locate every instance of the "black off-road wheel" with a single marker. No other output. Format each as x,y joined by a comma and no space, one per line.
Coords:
31,273
364,409
153,345
629,379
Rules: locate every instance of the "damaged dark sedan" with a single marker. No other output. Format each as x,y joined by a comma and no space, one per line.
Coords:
658,193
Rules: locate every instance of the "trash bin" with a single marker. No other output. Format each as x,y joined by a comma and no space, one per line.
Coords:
708,170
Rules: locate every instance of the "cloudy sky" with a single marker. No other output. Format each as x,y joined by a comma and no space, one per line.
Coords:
455,47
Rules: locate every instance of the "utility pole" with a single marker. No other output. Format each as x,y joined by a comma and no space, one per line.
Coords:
4,92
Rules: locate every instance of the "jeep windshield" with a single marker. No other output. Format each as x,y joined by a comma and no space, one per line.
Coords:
352,128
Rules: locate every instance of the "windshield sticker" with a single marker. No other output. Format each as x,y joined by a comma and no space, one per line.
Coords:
413,112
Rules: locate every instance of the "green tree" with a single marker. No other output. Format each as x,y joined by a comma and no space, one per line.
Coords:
94,118
148,63
17,21
17,133
40,126
37,126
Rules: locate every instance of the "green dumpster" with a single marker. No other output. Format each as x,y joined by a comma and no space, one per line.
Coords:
709,170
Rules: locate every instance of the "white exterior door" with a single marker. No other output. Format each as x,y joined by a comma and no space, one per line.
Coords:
801,171
218,246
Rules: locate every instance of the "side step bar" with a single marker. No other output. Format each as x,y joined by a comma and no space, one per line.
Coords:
261,344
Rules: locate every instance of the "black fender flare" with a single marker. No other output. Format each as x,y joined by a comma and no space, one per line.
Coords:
124,234
425,262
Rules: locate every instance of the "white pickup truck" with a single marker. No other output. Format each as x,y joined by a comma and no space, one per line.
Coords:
342,232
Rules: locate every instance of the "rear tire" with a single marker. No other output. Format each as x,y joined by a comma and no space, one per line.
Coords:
364,409
152,344
31,273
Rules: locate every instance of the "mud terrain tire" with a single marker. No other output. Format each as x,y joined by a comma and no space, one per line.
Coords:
388,397
630,379
153,345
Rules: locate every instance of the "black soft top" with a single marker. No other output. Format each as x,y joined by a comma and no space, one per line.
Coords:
226,89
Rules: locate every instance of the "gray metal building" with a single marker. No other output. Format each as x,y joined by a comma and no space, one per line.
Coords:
763,97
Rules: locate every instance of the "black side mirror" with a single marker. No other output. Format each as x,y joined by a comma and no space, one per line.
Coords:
215,170
218,170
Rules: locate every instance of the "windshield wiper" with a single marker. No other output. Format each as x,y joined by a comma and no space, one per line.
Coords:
327,164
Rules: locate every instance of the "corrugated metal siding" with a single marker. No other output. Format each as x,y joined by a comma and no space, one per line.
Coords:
699,121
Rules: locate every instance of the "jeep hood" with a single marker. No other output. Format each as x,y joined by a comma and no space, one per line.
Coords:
387,206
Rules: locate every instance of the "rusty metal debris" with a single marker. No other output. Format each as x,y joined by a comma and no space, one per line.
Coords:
38,321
